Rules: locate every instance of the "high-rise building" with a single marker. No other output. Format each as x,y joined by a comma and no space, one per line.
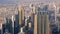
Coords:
34,18
43,23
1,25
20,8
35,24
21,31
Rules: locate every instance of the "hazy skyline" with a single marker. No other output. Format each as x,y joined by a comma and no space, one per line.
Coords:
19,1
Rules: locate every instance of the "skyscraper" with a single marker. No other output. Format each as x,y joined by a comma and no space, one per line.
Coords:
20,13
43,24
41,21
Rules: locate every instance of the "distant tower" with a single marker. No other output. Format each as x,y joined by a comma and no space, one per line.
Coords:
13,19
43,23
35,24
20,8
55,12
53,8
1,24
35,20
34,17
21,31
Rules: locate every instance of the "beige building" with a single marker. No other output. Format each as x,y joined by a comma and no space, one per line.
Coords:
43,23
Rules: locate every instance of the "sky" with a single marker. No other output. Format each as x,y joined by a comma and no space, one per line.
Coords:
18,1
22,1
